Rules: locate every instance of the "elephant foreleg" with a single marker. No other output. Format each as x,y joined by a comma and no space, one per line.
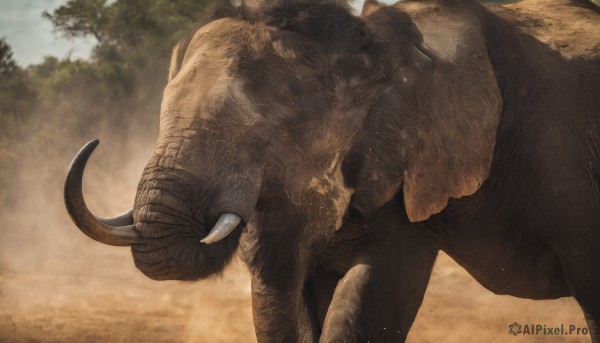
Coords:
594,328
378,298
282,315
581,268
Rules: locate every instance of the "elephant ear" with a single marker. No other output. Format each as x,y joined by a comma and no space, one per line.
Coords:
220,9
451,151
432,135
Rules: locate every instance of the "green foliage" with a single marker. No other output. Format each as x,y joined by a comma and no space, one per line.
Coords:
80,18
7,63
123,80
44,107
15,95
134,40
132,35
15,90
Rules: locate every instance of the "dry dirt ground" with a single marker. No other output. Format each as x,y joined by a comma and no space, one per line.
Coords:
110,301
56,285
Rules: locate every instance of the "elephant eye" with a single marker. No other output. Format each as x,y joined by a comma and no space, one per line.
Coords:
259,146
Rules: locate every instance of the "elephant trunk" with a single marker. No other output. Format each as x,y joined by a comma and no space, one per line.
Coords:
181,227
189,227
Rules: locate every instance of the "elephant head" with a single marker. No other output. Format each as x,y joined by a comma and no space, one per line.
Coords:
282,120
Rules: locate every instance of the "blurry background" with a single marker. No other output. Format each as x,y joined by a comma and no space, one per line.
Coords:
75,70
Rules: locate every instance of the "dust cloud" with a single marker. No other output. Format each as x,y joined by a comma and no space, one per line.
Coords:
58,285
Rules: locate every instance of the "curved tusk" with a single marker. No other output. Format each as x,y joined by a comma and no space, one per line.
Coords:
225,225
117,231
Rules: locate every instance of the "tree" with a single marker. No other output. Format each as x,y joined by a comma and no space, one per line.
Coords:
7,63
80,18
16,93
45,106
16,98
134,42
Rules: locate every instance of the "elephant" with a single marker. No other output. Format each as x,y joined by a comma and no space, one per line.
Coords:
338,154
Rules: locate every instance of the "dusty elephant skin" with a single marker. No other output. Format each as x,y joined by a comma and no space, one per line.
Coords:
339,154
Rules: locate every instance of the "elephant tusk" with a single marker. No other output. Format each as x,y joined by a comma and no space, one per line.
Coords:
224,226
117,231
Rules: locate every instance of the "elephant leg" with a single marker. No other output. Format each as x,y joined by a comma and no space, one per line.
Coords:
590,304
378,298
581,264
322,284
593,326
282,315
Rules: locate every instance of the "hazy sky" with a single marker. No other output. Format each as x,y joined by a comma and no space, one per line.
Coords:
31,36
